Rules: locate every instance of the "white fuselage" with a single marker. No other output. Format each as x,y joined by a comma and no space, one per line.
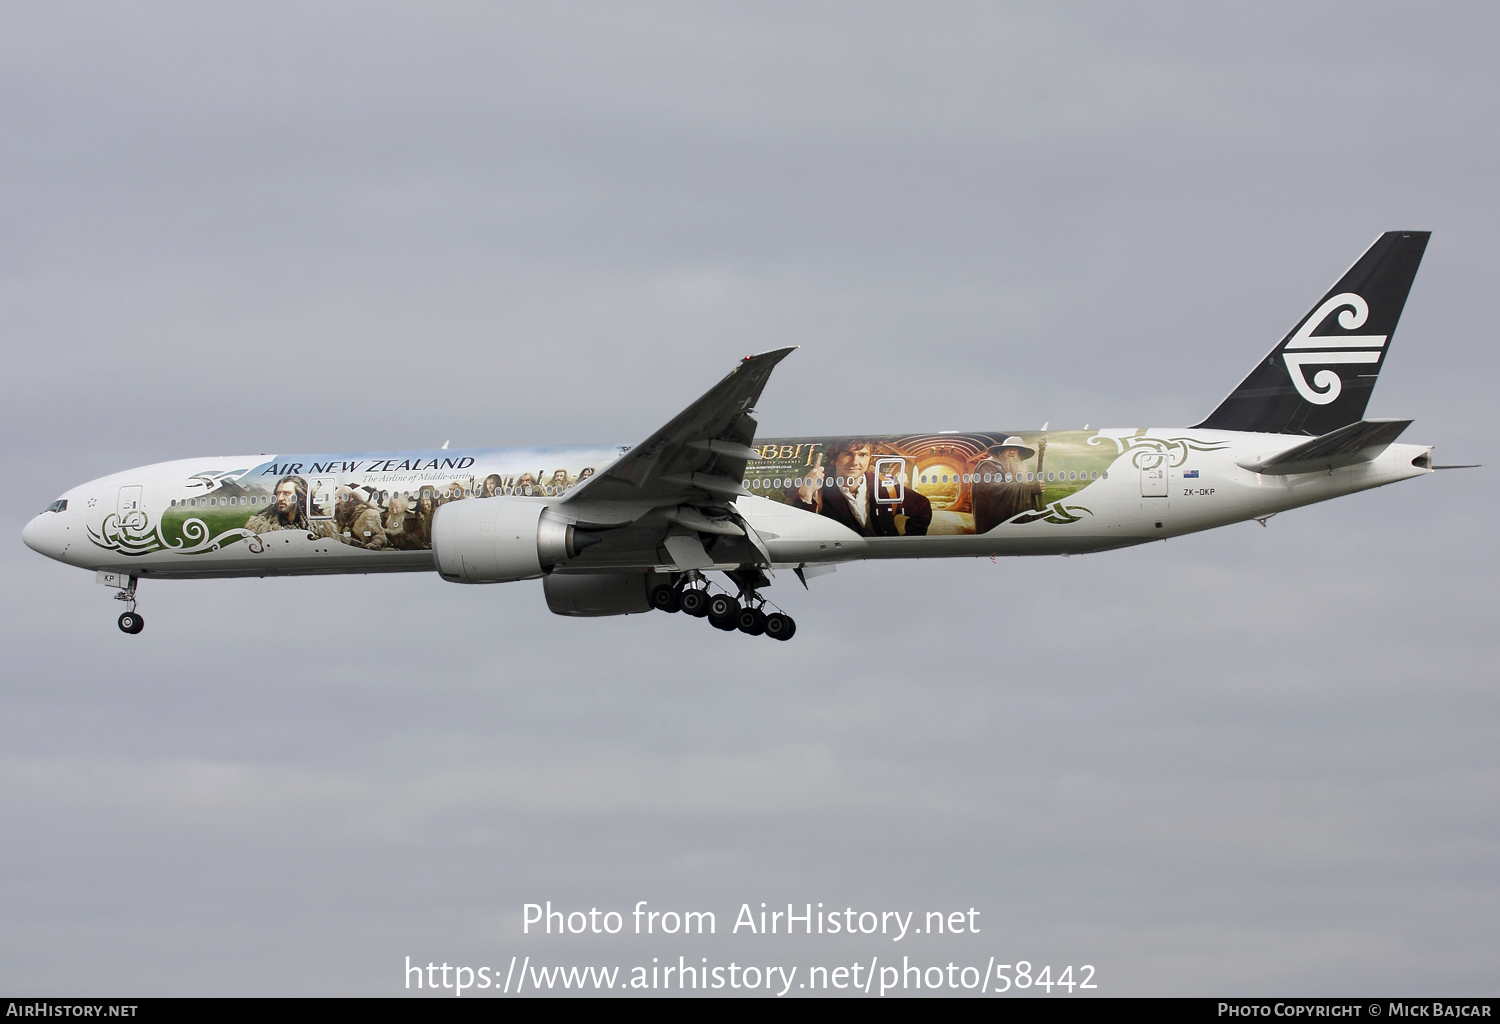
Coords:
167,520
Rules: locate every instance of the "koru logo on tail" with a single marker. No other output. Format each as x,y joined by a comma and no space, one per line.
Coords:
1340,348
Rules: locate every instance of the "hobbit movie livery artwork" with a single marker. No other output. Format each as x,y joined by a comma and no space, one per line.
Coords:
702,516
899,486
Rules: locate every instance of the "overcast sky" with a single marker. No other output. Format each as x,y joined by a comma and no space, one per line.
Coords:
1254,761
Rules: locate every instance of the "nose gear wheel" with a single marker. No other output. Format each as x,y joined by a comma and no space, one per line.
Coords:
130,620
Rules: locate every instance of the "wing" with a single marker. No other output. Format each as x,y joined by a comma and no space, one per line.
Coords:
675,489
700,455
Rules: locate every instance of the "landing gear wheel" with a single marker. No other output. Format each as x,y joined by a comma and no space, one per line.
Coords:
723,612
666,598
131,622
752,621
779,626
694,601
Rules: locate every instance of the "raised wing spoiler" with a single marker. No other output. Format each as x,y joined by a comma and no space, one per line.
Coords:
1358,442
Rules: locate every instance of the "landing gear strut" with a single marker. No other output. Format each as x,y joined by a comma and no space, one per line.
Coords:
747,613
131,621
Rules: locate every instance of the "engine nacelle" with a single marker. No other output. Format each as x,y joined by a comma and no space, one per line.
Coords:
501,539
616,593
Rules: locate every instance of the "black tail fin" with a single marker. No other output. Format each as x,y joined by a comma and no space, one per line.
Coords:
1345,338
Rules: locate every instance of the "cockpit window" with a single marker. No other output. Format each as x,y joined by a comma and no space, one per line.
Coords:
60,505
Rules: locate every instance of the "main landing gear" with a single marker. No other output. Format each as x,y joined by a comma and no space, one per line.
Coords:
131,621
747,613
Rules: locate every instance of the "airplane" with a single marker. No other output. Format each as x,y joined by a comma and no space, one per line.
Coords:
616,530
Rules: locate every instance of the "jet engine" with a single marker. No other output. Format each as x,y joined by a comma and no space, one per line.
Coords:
621,593
502,539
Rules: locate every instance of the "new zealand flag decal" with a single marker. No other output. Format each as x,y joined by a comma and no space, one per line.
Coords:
1190,474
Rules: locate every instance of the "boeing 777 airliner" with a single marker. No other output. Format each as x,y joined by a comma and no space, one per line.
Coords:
613,530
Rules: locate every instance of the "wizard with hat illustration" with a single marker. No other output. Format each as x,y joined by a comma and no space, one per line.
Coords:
1007,493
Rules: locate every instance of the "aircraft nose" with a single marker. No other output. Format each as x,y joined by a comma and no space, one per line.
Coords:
35,535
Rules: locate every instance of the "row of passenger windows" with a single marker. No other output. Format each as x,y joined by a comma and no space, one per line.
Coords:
440,493
975,478
196,502
932,478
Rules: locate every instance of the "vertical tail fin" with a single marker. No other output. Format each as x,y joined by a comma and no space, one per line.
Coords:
1320,377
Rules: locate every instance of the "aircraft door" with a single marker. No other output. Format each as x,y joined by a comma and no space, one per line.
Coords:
129,511
320,496
1154,476
890,487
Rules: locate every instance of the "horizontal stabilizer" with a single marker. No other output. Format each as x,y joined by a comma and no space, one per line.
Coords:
1358,442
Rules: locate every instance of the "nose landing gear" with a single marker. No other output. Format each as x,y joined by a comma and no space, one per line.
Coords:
690,594
130,621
